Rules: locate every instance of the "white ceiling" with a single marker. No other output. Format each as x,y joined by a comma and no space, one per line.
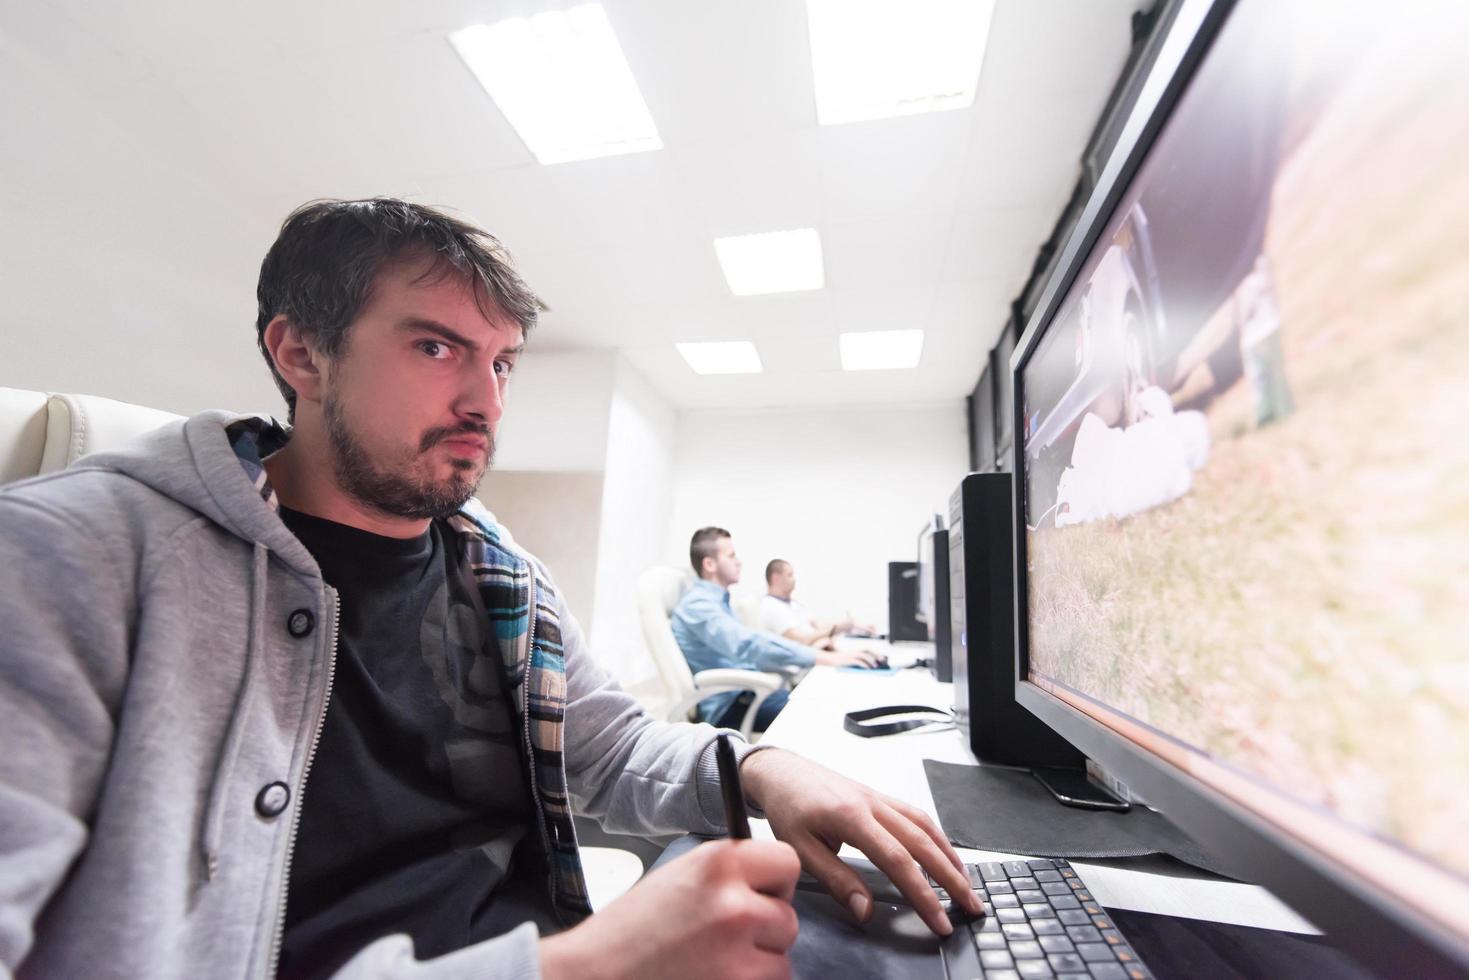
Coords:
929,221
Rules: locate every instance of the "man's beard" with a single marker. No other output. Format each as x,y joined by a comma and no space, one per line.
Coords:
397,491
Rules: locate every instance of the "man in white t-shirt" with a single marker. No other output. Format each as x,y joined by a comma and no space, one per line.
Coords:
784,616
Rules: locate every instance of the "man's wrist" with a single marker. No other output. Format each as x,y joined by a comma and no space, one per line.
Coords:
755,770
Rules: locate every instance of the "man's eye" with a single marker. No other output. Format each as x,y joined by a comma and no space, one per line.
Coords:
434,349
503,368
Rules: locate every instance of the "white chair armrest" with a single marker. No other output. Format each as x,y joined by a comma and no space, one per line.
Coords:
727,678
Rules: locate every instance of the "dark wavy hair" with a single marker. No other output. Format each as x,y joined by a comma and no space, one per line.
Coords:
321,270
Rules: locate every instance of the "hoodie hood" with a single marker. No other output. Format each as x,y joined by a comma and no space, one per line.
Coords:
211,463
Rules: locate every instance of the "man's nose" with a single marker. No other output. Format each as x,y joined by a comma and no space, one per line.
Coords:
482,398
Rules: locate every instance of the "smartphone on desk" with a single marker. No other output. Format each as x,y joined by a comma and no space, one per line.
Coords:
1072,788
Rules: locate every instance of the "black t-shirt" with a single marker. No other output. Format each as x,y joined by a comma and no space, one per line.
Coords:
416,816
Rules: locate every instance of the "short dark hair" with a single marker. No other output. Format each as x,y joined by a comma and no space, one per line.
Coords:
705,544
776,565
322,267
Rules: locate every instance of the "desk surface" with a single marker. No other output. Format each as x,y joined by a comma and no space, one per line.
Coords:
811,724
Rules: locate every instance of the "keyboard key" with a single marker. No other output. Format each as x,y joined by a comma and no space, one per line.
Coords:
1112,937
1025,882
1049,874
1084,934
1047,927
1010,915
941,894
991,871
1065,902
1034,968
1055,944
1055,888
1102,922
1085,895
1000,888
988,924
1077,885
1092,908
1068,873
1016,868
1042,864
995,959
1138,972
1025,949
1067,961
1095,952
1104,971
1005,901
1124,954
991,940
976,879
1016,931
1074,917
1038,910
1030,895
1006,975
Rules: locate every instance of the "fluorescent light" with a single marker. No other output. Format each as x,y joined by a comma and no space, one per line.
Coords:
872,59
878,350
561,80
771,262
722,357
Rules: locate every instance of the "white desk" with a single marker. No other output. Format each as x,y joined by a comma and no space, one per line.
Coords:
811,724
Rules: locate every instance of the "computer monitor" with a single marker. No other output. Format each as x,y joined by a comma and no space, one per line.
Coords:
933,594
982,422
1240,464
1004,395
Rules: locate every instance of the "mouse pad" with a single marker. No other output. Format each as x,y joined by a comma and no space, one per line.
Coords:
1007,810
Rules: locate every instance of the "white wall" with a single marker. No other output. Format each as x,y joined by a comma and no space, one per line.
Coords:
125,274
557,410
555,516
839,493
636,497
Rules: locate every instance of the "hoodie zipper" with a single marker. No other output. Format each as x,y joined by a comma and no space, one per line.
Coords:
331,675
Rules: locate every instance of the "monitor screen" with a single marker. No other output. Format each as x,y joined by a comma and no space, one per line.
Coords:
1242,458
982,423
925,612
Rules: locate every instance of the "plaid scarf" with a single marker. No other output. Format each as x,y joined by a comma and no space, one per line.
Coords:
520,605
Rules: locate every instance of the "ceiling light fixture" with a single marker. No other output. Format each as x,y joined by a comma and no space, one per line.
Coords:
561,80
871,59
879,350
722,357
771,262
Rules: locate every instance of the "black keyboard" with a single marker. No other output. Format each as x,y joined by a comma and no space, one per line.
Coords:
1040,921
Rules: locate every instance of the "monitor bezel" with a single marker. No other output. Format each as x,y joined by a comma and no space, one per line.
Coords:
1379,930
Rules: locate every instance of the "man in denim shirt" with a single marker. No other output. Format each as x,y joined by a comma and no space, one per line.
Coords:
711,635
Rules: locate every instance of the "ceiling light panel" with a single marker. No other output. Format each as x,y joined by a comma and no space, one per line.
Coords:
722,357
771,262
879,350
561,80
872,59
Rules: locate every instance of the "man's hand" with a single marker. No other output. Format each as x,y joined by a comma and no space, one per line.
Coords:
846,658
815,811
722,910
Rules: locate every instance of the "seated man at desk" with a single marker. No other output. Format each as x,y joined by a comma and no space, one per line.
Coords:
711,635
200,627
782,615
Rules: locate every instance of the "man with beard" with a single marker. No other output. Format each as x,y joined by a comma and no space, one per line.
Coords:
288,700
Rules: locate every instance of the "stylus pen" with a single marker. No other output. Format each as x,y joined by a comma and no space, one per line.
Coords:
735,816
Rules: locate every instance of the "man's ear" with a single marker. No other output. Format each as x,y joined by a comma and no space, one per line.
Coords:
296,360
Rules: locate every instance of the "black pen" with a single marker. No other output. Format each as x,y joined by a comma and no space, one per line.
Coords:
735,816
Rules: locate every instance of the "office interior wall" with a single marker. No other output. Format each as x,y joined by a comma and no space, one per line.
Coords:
126,275
838,492
635,504
556,411
556,516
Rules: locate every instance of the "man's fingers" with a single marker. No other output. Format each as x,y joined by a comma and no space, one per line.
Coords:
776,925
925,823
839,880
896,859
770,867
923,849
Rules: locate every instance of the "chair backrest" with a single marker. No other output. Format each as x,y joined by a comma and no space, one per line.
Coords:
41,432
747,608
659,589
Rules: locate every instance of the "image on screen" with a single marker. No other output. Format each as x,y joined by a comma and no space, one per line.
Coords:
1246,470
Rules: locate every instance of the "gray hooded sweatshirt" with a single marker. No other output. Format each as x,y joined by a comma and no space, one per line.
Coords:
154,683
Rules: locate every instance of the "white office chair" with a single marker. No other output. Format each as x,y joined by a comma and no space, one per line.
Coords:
42,432
659,589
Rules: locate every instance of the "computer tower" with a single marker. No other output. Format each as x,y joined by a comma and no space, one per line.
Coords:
982,627
938,628
903,621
